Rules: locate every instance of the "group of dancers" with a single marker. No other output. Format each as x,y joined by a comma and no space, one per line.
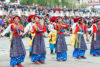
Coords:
36,31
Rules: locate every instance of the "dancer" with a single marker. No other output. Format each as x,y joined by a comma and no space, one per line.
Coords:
17,50
80,45
95,44
61,46
73,30
38,50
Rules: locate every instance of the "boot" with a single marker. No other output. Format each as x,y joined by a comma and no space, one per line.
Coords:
83,57
42,62
20,65
14,66
37,62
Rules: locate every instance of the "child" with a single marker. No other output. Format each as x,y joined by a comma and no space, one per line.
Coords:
52,36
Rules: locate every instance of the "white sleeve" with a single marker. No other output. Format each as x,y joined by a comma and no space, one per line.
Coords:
51,28
73,26
27,28
6,30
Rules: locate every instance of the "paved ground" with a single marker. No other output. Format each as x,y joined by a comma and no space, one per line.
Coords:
51,59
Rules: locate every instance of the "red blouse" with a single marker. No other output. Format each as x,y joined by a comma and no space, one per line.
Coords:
13,28
78,28
56,28
95,29
41,28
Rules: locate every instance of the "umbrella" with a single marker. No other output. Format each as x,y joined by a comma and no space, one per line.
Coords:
1,22
94,3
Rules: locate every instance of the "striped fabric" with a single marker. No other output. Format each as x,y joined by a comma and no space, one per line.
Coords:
95,44
81,45
60,45
17,47
38,45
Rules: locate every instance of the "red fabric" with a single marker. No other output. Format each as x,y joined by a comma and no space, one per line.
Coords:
95,20
56,28
95,29
29,17
66,26
81,25
52,19
44,29
76,19
11,21
61,33
14,29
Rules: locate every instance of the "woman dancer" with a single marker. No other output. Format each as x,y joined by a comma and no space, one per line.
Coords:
95,44
80,45
61,46
38,50
17,50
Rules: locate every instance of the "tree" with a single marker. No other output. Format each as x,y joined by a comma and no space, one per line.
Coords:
12,0
26,2
50,3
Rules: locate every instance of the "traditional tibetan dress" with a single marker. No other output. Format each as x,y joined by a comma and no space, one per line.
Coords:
95,45
80,47
17,50
38,49
28,28
61,46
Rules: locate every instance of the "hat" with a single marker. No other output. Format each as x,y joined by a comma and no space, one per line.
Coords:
16,16
29,17
12,19
52,19
76,19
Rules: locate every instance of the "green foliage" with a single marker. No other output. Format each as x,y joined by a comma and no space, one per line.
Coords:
12,0
26,2
50,3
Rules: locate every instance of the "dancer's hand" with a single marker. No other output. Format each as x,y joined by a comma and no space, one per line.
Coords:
64,25
77,41
94,38
1,36
41,30
87,39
